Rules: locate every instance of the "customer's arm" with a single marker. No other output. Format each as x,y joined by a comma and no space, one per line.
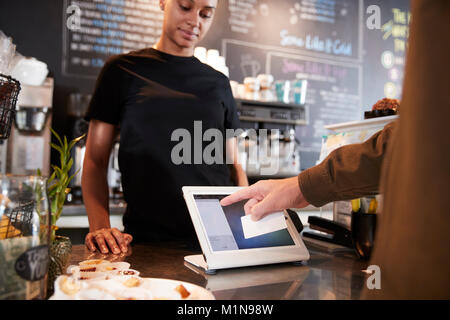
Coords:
347,173
96,193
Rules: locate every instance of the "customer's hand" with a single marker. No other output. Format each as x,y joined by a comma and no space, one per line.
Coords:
268,196
108,239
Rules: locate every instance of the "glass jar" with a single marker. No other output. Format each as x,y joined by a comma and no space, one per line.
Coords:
24,237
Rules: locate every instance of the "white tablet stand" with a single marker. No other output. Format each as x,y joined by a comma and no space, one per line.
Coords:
199,261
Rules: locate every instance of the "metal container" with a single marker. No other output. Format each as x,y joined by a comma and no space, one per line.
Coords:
31,119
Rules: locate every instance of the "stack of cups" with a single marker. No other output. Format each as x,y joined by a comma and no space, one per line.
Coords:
299,91
200,54
252,87
282,89
266,82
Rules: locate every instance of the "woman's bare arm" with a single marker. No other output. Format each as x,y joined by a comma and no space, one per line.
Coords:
237,172
95,190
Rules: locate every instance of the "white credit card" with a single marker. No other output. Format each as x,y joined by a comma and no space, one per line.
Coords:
270,223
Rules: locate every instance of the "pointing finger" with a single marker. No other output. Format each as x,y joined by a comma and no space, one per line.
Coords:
242,194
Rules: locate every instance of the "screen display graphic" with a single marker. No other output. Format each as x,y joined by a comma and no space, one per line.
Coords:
224,228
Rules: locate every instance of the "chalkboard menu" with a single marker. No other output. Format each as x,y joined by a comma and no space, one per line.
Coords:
352,52
384,50
95,29
321,27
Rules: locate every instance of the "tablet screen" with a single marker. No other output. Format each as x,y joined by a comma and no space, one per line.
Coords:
224,228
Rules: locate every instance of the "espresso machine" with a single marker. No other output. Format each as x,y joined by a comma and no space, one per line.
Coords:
76,109
77,106
28,147
267,146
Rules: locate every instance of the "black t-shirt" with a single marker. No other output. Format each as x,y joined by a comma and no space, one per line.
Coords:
150,94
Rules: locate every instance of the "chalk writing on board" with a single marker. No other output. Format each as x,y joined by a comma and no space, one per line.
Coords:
98,29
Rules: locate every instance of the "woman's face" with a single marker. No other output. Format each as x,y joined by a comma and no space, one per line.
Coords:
186,22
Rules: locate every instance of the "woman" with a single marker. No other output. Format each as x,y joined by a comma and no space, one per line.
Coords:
148,94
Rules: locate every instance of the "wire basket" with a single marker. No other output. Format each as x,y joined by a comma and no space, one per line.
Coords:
9,91
17,222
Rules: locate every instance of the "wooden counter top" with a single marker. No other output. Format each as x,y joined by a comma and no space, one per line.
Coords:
324,276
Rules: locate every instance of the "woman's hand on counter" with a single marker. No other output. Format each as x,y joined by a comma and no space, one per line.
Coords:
108,240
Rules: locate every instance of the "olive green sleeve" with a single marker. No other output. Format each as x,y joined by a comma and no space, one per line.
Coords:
349,172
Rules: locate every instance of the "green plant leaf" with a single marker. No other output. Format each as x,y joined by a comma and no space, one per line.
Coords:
56,147
57,136
52,176
69,165
66,146
73,176
60,178
74,141
52,187
59,172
